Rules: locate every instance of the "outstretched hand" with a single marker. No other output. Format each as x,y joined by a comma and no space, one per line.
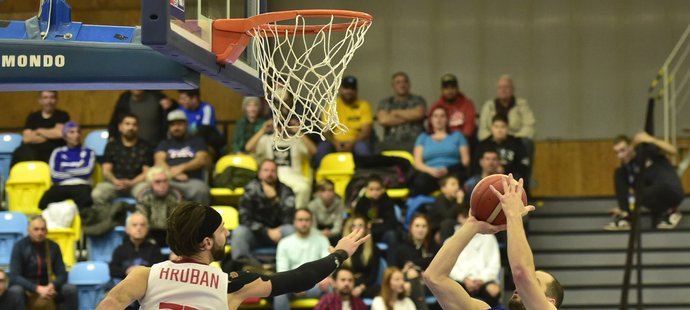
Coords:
482,227
351,242
511,198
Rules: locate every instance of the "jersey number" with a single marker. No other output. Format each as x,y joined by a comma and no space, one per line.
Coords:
171,306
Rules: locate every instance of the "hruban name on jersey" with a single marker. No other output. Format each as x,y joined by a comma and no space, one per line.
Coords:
33,61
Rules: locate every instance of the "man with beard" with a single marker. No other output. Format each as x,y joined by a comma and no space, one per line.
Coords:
341,297
196,233
125,163
535,289
186,156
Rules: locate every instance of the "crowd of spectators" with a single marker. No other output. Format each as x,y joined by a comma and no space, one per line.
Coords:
161,151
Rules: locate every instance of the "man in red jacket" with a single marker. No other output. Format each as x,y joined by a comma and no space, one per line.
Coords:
342,295
461,112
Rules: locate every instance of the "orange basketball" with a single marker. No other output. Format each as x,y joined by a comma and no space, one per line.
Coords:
484,203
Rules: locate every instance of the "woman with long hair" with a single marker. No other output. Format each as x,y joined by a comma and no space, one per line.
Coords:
365,262
414,255
438,153
393,294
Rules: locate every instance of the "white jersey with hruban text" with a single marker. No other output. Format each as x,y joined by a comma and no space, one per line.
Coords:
185,285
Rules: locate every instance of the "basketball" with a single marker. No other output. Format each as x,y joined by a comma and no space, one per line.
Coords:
484,203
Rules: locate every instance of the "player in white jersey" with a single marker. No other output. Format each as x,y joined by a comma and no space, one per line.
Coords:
196,233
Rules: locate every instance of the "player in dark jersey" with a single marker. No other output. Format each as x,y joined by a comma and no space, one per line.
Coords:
536,290
196,234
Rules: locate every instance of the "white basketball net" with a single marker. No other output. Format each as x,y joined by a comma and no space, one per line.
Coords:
301,74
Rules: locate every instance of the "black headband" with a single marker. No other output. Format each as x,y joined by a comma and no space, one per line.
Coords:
212,220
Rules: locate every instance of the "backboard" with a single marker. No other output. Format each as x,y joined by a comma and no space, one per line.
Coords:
181,30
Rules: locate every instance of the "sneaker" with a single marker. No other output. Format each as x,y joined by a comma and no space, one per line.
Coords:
670,220
620,222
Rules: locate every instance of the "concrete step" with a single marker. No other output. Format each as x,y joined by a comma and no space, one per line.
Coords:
575,298
583,222
594,205
607,240
614,277
590,259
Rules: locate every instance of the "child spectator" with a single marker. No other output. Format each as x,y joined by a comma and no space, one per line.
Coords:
379,209
328,210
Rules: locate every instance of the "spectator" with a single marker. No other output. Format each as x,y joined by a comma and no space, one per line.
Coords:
511,152
328,210
266,212
157,201
515,110
291,162
38,272
462,114
393,294
124,164
201,120
71,167
187,158
442,213
355,114
414,255
148,107
365,262
135,250
248,125
438,153
42,130
658,187
401,116
379,210
478,266
489,163
13,299
341,298
303,246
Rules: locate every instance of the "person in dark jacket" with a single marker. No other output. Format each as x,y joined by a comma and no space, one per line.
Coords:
147,105
136,249
442,213
365,262
379,210
266,211
38,270
10,299
511,151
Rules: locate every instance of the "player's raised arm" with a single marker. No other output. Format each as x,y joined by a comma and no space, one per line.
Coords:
520,256
132,288
450,294
302,278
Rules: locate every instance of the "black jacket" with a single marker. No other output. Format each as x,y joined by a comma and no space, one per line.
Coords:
126,255
29,265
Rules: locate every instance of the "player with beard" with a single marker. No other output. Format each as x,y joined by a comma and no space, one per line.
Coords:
536,290
196,233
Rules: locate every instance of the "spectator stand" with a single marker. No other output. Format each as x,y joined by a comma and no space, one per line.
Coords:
13,226
8,143
26,184
90,278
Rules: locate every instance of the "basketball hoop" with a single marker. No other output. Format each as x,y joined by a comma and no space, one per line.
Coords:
301,64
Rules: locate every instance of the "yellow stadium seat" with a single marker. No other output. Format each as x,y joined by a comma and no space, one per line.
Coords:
231,219
67,238
339,168
97,175
26,184
304,303
236,160
399,193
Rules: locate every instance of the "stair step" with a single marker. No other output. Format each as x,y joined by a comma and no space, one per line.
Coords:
589,205
575,298
586,259
646,306
599,277
604,240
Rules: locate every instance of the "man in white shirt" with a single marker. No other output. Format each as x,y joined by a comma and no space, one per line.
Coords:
478,266
305,245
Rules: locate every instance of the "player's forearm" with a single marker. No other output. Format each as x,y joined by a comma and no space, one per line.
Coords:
519,252
446,257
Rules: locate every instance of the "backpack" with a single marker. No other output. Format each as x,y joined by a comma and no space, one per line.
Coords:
233,177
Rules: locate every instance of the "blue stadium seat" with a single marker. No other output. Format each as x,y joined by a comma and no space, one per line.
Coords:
413,203
96,140
8,143
90,278
13,226
101,247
